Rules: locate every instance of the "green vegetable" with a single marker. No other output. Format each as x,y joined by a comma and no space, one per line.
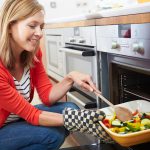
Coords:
117,123
133,126
139,122
146,122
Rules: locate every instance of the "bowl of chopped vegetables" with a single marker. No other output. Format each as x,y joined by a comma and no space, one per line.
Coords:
131,132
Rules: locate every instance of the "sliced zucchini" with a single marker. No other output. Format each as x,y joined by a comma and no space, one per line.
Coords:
145,122
127,129
126,122
142,127
117,123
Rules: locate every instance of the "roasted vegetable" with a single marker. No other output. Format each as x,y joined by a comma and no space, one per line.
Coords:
146,122
139,122
117,123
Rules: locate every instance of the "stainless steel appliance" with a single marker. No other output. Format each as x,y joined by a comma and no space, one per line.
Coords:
125,61
80,55
54,59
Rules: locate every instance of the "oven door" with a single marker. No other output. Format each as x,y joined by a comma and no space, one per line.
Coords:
83,102
54,57
81,99
81,59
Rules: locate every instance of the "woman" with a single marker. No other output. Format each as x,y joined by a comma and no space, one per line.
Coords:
44,126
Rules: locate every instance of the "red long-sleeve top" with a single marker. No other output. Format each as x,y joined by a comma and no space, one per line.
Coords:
12,102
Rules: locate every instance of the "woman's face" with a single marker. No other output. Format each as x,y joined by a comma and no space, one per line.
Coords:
26,34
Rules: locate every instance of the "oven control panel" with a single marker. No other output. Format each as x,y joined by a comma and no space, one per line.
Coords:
125,39
80,36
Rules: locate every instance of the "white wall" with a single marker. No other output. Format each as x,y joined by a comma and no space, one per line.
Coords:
66,8
1,2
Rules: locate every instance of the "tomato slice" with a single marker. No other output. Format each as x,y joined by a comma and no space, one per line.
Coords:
106,122
135,113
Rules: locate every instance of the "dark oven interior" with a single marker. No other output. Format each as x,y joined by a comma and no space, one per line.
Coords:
128,82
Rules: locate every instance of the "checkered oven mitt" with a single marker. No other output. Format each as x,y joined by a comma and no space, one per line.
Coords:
86,121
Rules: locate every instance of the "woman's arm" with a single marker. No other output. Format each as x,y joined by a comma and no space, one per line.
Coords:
61,88
50,94
50,119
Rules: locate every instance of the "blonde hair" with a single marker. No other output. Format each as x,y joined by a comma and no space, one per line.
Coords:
12,11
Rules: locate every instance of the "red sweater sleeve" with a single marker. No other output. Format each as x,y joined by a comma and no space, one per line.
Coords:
12,101
41,80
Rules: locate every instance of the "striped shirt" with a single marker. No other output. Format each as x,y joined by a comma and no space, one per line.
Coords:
23,87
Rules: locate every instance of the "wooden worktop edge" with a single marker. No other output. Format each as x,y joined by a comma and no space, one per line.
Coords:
129,19
71,24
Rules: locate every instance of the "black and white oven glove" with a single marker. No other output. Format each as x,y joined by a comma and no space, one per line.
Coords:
86,121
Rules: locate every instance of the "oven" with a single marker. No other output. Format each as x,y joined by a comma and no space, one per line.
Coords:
54,59
126,78
125,62
129,78
125,57
80,55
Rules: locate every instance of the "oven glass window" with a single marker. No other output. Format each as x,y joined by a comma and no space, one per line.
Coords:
52,53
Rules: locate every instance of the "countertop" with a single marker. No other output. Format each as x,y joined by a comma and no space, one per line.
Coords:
121,11
128,15
127,19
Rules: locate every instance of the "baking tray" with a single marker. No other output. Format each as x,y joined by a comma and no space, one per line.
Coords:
130,139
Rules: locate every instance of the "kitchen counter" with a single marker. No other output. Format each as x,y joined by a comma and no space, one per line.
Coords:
127,19
80,23
108,147
138,13
121,11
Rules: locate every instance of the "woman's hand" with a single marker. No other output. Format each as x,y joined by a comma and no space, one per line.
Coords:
83,80
61,88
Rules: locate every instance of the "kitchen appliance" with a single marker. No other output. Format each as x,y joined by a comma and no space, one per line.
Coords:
125,59
80,55
54,59
124,52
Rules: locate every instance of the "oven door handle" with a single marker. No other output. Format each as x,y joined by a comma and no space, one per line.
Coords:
77,52
87,105
75,99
